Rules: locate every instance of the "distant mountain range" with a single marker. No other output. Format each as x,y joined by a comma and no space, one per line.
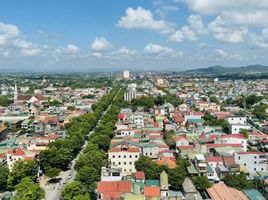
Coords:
230,70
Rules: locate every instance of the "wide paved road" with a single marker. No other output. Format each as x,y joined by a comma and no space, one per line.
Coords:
53,191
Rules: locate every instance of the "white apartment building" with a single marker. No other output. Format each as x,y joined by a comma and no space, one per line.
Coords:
200,163
234,139
125,132
138,120
124,156
126,74
111,174
237,120
130,92
254,161
236,128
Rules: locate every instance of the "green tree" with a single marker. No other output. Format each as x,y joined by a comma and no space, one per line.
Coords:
244,132
103,141
238,181
176,176
201,183
88,177
213,99
52,172
20,170
71,108
28,190
72,190
150,168
4,172
4,101
169,139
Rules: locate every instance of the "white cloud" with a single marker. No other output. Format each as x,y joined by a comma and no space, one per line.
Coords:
101,44
72,48
157,49
214,7
225,32
196,23
125,52
31,52
221,53
143,19
8,32
185,33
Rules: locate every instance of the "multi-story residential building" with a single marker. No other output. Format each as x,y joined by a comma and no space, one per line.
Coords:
200,163
254,161
236,128
17,155
138,120
234,139
130,93
125,133
237,120
126,74
111,174
124,155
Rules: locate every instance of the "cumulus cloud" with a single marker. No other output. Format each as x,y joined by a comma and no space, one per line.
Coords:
141,18
214,7
101,44
158,50
72,48
185,33
7,33
225,32
125,52
11,38
196,23
221,54
31,52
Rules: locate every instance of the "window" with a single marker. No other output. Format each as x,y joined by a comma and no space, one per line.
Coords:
136,156
119,156
254,169
238,157
130,156
119,163
151,154
255,162
125,156
261,169
113,156
255,157
125,163
113,163
130,163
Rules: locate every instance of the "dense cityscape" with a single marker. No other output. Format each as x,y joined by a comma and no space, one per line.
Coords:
133,136
133,100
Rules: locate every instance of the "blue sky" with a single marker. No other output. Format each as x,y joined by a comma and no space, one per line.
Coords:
131,34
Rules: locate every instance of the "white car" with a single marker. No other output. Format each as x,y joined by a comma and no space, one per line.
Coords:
70,176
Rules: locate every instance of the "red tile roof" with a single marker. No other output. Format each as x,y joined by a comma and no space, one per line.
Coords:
214,159
238,136
151,191
139,175
167,161
114,186
186,147
223,145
